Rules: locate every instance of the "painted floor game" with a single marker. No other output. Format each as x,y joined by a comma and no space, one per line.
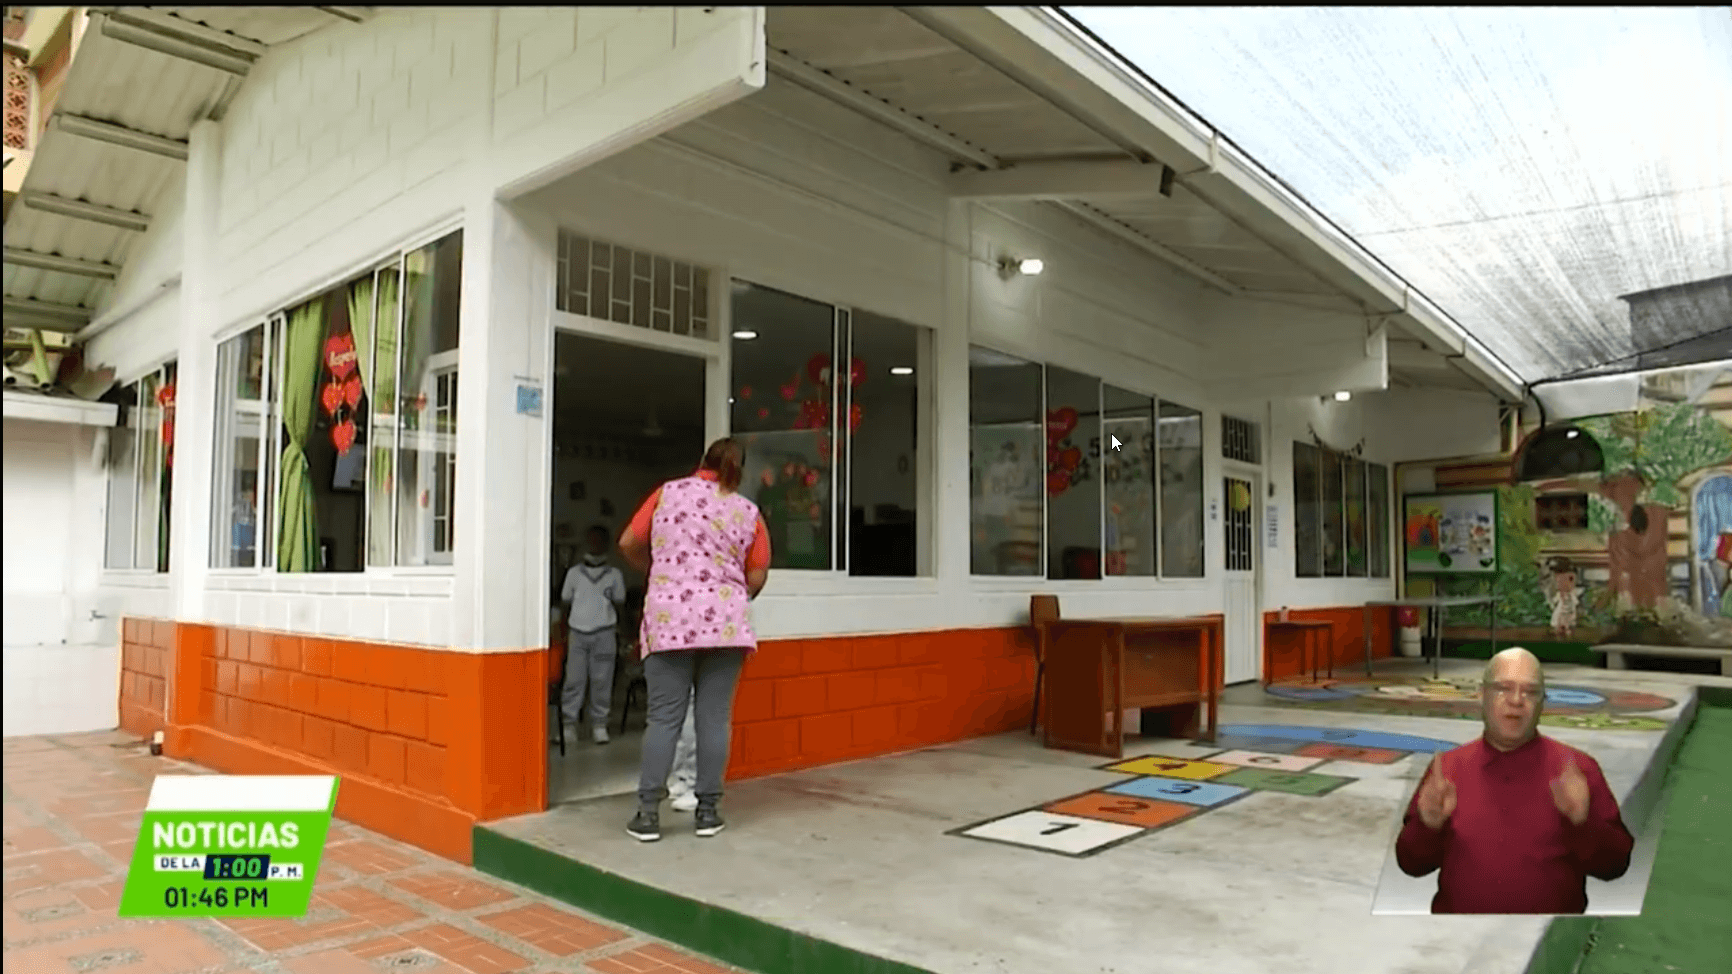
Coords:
1165,791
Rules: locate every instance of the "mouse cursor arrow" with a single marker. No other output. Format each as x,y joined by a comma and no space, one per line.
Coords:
1114,441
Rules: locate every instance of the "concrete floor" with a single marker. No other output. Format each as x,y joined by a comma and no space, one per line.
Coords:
858,855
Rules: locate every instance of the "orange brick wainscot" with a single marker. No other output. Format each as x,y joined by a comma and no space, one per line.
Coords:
429,742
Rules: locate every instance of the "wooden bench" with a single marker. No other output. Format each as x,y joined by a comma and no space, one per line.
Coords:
1615,653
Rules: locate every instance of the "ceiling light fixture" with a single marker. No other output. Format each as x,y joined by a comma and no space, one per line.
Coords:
745,336
1343,396
1010,267
901,370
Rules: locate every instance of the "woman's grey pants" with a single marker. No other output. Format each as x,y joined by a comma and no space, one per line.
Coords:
685,778
706,678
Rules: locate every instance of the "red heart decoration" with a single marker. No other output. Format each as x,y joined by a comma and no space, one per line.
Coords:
790,390
1057,482
745,392
352,391
1070,458
854,415
331,397
1059,423
856,372
343,436
340,355
817,368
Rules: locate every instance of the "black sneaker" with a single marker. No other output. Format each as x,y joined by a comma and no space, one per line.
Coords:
645,826
707,822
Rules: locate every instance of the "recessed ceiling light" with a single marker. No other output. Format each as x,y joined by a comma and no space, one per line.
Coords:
745,336
902,370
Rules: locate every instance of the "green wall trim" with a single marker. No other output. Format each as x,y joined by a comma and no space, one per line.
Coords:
721,933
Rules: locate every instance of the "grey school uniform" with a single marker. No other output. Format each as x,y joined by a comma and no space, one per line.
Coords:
592,593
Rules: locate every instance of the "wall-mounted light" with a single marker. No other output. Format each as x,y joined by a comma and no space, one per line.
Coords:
902,370
1343,396
1025,266
745,336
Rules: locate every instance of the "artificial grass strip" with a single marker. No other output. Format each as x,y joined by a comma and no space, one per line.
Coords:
1683,926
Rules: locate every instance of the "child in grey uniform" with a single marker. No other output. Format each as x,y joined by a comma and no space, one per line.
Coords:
593,592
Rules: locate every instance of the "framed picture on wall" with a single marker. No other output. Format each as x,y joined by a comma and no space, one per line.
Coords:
1451,534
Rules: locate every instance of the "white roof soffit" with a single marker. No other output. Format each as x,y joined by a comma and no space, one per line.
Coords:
1060,61
116,141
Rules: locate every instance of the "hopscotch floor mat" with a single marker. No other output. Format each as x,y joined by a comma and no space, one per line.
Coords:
1581,707
1161,791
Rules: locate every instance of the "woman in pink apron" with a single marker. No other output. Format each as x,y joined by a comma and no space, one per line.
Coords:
707,555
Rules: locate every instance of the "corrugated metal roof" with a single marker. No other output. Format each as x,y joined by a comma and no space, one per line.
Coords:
138,89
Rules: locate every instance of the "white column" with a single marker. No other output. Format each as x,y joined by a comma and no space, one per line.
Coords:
950,404
504,342
195,378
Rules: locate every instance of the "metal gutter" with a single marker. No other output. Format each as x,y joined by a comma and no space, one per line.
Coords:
109,319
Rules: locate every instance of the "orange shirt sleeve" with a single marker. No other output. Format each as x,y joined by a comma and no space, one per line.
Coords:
640,522
758,559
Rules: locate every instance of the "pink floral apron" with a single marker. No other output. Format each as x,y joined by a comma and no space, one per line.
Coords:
699,537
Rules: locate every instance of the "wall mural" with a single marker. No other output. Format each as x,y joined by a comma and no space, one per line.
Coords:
1649,562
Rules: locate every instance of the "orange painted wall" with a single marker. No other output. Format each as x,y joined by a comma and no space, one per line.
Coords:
146,647
1285,654
802,703
427,742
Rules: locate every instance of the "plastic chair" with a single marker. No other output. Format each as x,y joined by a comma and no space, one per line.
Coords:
636,687
1042,609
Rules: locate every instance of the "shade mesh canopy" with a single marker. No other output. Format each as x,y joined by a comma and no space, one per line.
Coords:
1541,175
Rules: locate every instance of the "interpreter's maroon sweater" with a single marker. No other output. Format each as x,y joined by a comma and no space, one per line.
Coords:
1507,848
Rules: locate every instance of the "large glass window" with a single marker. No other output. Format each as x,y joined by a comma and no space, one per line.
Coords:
1128,468
832,453
1073,483
140,461
1078,479
354,394
1181,455
1006,464
1341,515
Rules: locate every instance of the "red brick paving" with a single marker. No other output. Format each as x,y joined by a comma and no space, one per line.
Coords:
71,820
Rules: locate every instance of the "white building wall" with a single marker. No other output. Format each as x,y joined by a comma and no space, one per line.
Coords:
62,657
788,190
347,144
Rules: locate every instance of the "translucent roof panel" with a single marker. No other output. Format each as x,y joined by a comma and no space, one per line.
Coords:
1525,169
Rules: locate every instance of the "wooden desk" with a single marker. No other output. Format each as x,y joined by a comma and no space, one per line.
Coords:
1096,669
1307,629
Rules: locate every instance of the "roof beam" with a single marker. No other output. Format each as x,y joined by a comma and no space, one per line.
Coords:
81,210
1060,181
354,15
119,135
19,257
45,316
806,76
181,39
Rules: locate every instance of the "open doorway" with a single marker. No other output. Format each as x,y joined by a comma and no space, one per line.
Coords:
625,419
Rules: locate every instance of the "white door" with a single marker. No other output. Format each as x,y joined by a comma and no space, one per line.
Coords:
1244,603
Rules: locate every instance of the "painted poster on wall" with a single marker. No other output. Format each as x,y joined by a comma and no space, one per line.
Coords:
1451,534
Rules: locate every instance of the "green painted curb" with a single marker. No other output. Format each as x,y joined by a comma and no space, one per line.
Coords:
723,934
1567,942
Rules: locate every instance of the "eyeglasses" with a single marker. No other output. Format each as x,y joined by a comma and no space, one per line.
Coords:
1528,692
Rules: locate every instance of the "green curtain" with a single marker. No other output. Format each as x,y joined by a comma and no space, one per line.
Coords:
298,524
361,328
382,390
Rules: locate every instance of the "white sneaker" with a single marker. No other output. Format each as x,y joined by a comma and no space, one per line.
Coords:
599,735
684,801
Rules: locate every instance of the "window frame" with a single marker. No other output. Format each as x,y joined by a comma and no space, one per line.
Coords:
1106,582
1345,460
159,369
275,323
842,322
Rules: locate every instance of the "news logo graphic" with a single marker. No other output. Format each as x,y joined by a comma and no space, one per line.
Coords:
229,846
